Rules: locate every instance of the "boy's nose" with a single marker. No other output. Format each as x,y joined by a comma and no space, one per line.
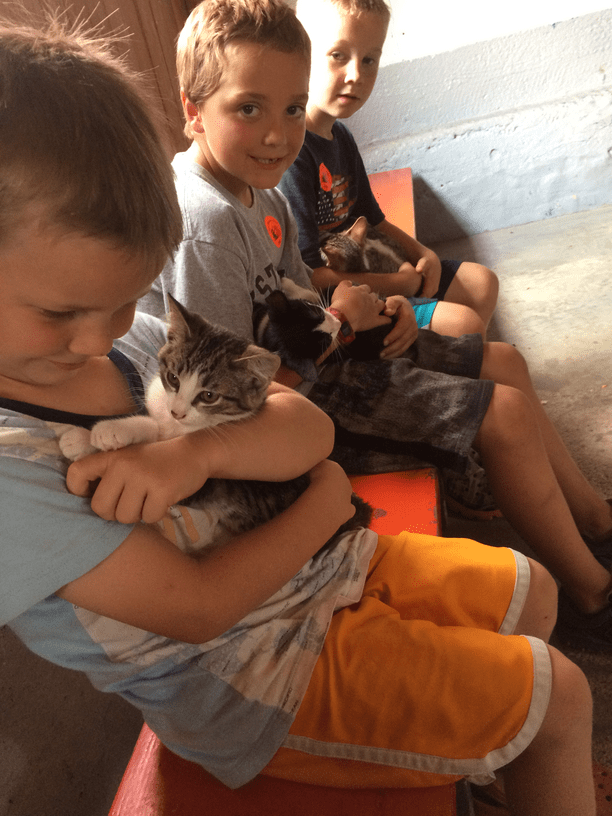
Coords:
352,71
92,341
276,133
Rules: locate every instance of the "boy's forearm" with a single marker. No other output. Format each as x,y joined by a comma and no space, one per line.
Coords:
414,249
385,284
288,437
149,583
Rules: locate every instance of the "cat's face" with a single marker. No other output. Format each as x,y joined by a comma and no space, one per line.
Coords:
307,328
344,251
210,375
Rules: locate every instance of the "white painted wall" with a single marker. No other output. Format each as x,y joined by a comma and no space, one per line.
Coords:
425,29
499,130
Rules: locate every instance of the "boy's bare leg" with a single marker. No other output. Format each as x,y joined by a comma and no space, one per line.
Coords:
593,515
539,613
526,488
554,775
477,287
455,319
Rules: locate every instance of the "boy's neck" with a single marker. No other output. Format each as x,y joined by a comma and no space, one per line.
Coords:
243,193
319,122
99,390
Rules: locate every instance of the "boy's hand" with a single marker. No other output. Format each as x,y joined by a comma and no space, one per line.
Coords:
137,483
429,268
409,281
361,306
336,490
405,331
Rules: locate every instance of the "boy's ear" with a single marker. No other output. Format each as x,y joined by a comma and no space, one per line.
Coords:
192,114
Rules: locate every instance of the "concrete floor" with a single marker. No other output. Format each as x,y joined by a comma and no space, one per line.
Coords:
555,306
63,746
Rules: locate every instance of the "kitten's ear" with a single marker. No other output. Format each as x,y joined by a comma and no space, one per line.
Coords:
278,302
178,320
359,230
263,365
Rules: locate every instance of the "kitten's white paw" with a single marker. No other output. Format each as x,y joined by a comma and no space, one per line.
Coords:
112,434
76,443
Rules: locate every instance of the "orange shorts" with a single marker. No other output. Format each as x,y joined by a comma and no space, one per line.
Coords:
422,682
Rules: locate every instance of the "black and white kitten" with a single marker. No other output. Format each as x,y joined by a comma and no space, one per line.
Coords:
364,248
207,377
294,324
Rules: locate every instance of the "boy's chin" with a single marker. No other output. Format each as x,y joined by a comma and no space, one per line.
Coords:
267,183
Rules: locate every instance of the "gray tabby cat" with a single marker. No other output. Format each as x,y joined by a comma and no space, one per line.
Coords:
363,248
207,377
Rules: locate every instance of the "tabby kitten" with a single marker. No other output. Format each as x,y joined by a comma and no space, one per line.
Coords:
363,248
207,377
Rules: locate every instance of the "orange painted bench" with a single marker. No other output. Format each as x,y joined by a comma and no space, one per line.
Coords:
394,193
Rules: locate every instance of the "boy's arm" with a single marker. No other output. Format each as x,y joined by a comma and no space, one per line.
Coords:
149,583
405,282
424,260
288,437
422,263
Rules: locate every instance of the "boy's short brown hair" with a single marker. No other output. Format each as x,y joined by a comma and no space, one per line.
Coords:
78,145
356,6
214,24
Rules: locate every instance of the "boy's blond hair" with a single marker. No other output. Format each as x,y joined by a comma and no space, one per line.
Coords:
214,24
349,6
79,149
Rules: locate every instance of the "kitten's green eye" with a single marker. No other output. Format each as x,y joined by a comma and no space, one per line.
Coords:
173,380
207,396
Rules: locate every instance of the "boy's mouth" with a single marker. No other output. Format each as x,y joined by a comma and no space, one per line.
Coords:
267,161
69,366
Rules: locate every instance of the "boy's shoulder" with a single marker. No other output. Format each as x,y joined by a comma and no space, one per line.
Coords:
320,156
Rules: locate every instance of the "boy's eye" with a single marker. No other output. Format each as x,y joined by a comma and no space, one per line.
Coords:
248,110
337,55
51,315
296,110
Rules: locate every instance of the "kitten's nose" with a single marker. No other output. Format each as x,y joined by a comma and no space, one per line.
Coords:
178,415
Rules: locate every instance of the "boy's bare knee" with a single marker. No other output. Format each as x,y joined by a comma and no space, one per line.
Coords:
500,358
539,614
480,284
509,421
571,704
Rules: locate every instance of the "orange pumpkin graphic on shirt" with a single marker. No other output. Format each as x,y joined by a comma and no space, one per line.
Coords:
274,230
325,178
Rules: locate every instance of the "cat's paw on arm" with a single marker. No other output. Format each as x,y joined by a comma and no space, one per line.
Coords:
113,434
75,443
